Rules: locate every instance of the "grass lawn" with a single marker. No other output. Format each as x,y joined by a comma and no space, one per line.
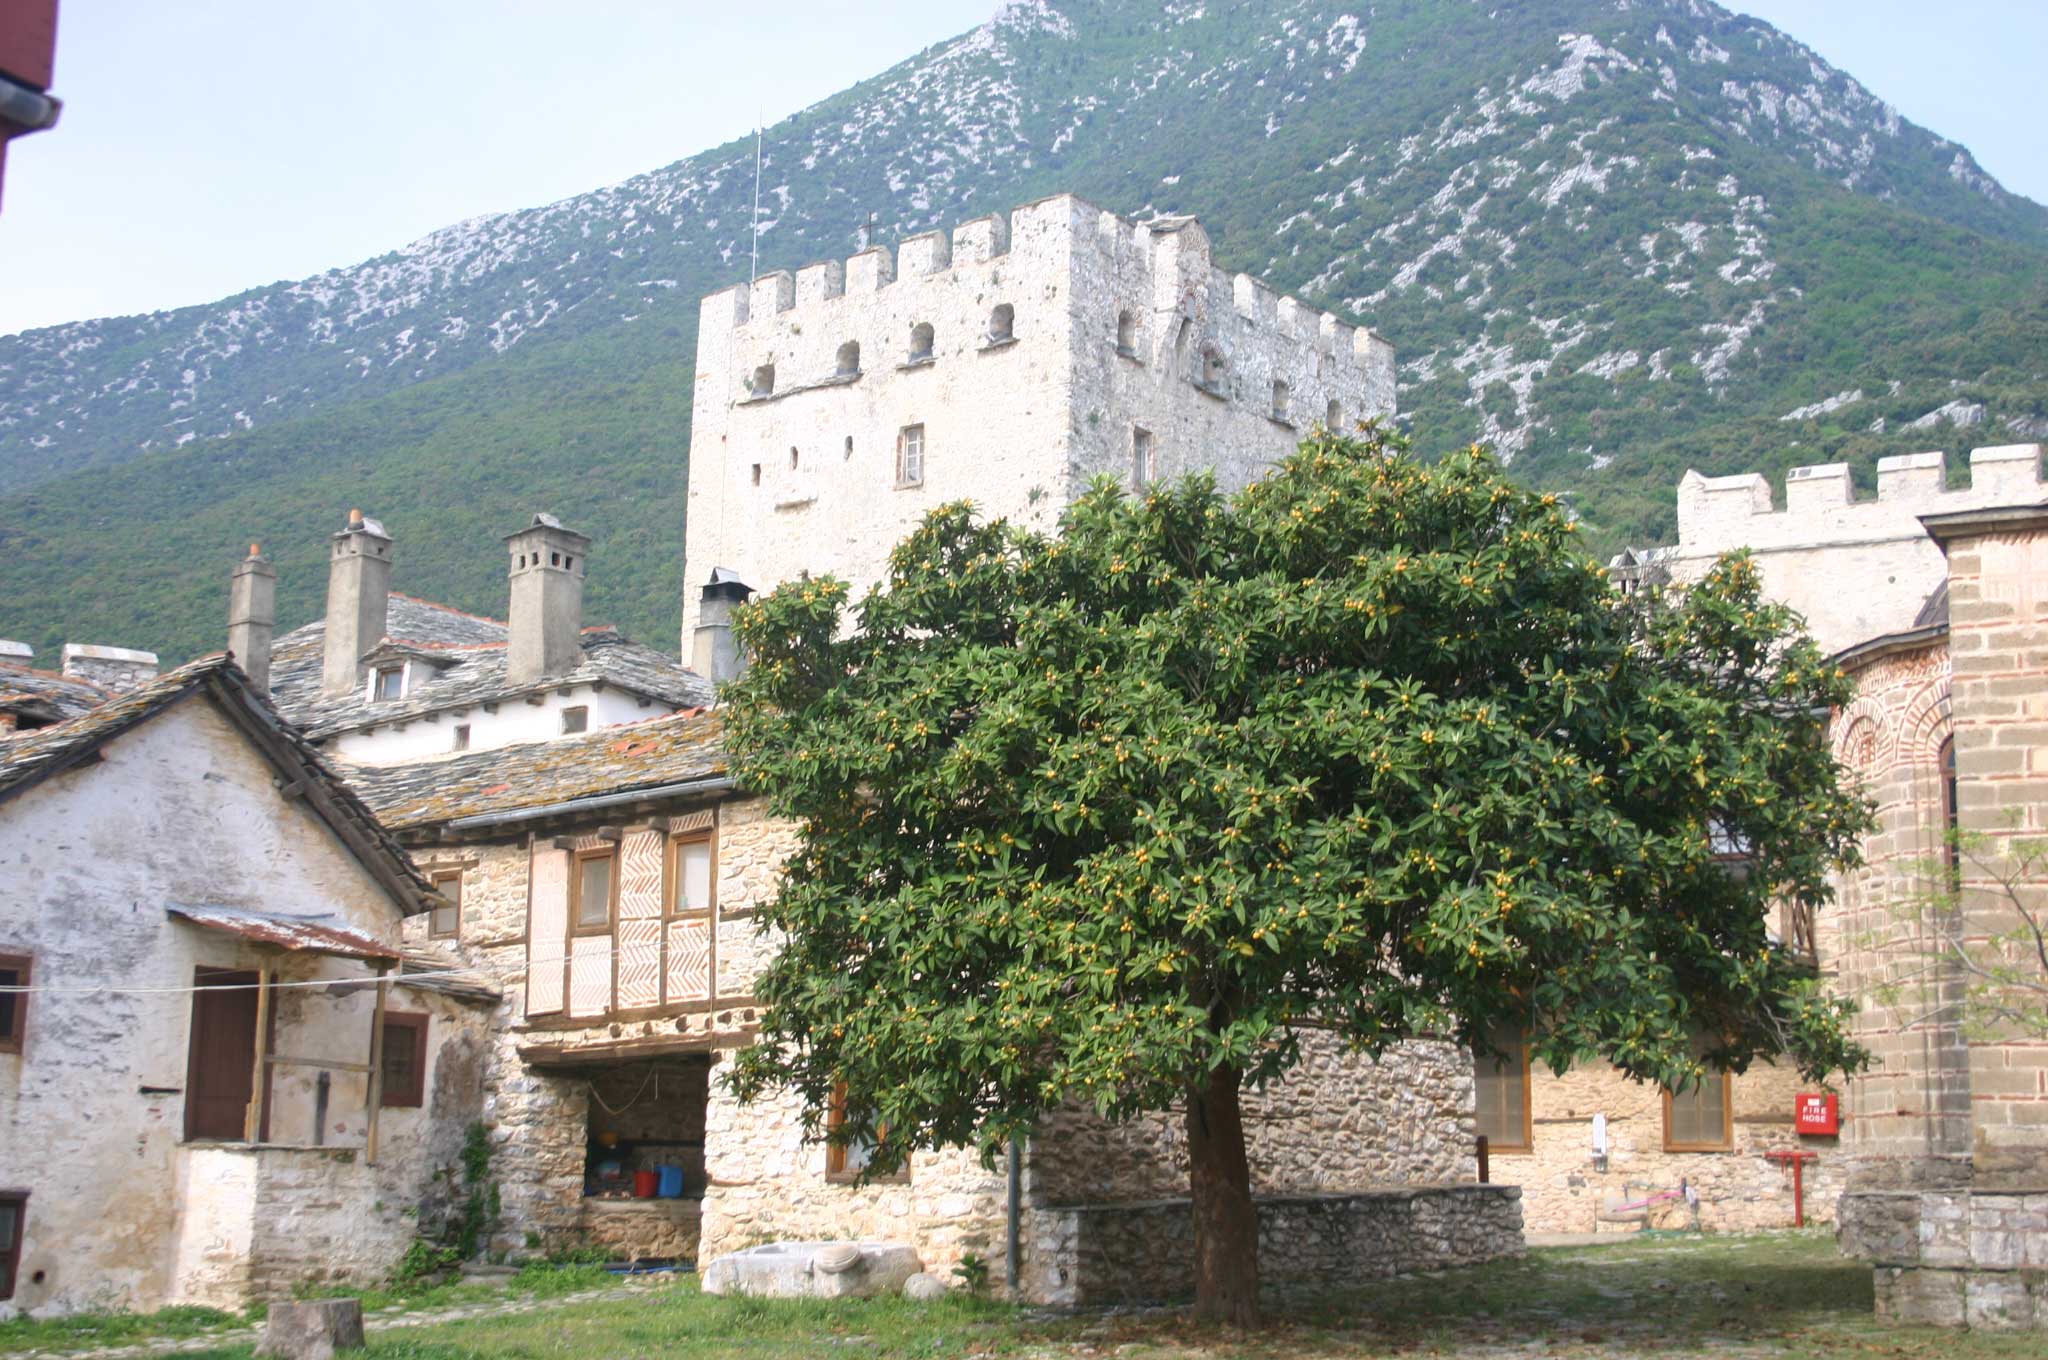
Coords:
1783,1294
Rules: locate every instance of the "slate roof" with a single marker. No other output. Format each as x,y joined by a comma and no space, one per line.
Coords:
325,934
46,696
445,974
469,653
31,757
673,749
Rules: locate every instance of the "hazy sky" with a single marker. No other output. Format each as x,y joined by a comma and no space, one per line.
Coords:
210,146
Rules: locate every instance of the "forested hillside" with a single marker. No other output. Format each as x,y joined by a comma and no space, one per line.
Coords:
1616,240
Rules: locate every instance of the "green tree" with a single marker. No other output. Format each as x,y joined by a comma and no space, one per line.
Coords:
1114,817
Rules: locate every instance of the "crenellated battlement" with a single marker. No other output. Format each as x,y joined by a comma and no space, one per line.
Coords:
1820,504
1856,569
1173,255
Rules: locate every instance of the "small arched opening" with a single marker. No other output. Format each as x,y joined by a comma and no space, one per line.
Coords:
1127,332
849,359
1282,399
1002,323
921,342
1211,369
1333,417
764,380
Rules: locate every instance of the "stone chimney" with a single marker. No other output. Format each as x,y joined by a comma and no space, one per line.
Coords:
14,653
358,590
714,653
545,621
252,616
118,669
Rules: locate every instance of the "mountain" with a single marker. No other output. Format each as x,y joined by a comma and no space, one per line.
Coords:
1616,238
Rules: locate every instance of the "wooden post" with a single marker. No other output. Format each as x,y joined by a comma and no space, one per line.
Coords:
259,1085
377,1060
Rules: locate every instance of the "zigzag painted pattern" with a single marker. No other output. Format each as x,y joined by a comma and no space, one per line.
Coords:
689,961
640,876
547,932
639,963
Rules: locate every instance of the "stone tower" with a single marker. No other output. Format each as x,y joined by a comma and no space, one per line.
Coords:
1010,364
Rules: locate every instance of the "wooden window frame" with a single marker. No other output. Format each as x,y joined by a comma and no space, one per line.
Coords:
1727,1143
611,914
671,906
835,1153
377,674
10,1259
435,878
414,1096
13,1040
1528,1143
903,439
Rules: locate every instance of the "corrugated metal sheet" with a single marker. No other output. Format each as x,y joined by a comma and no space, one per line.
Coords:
298,934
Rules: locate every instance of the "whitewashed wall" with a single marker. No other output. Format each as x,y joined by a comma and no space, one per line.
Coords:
181,810
514,721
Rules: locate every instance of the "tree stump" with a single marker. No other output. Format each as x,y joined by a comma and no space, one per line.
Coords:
312,1329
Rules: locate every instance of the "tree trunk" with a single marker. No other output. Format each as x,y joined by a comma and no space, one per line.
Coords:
1226,1224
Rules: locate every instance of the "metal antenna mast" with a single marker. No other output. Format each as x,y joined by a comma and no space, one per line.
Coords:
754,269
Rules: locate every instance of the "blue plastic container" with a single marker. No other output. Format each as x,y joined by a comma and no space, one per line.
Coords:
671,1186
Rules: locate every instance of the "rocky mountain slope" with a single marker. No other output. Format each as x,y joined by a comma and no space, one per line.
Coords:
1613,237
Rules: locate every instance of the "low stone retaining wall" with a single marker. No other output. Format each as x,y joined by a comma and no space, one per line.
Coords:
1953,1257
1141,1253
643,1229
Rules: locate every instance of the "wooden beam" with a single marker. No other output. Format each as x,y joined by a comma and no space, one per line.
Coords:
331,1064
252,1123
377,1060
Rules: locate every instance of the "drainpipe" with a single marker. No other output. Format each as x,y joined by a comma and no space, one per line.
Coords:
1010,1226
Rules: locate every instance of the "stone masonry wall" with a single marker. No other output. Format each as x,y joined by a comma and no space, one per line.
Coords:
1138,1253
1337,1122
1740,1190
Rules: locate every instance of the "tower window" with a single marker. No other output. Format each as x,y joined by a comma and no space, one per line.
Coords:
764,380
849,446
1333,417
1281,401
792,458
757,474
910,456
921,342
1126,332
1144,458
1211,370
1002,324
849,359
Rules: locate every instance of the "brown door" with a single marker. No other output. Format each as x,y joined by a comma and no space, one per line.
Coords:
222,1055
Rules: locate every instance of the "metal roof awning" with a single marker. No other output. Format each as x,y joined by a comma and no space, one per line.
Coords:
294,934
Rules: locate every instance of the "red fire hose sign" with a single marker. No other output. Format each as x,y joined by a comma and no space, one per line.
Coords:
1816,1114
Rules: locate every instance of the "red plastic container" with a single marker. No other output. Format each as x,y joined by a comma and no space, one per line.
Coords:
645,1183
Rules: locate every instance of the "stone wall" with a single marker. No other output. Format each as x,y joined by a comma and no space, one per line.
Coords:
1337,1122
1954,1257
1740,1190
766,1183
1139,1253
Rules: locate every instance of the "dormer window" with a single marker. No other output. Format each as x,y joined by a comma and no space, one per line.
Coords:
387,683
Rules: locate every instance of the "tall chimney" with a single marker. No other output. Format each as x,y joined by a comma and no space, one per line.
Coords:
358,590
545,621
714,653
252,616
